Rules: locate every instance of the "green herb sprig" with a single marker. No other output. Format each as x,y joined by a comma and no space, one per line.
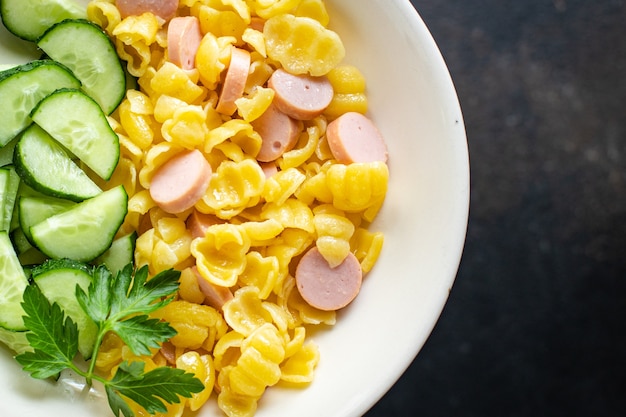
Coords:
119,304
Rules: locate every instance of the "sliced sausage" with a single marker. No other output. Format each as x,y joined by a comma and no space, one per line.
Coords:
165,9
168,350
183,39
216,296
278,131
198,223
302,97
352,137
257,23
324,287
269,169
179,183
235,81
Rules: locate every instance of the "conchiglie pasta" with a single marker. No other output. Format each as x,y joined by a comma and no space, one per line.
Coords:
302,45
221,254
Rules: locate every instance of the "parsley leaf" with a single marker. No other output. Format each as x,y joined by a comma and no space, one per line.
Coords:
147,389
141,333
53,336
120,304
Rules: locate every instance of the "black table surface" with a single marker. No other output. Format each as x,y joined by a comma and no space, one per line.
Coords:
535,323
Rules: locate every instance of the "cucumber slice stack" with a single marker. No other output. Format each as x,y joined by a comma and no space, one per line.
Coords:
45,166
59,126
54,219
87,135
22,87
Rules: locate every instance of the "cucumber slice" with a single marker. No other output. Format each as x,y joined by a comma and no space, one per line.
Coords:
85,49
30,19
62,263
13,282
32,256
76,121
8,200
20,242
59,286
6,152
4,186
45,166
21,88
120,254
15,340
33,210
86,230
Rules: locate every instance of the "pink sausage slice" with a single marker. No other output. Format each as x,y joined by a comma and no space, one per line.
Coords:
235,81
165,9
353,137
324,287
183,40
198,223
300,96
269,169
215,295
181,181
278,131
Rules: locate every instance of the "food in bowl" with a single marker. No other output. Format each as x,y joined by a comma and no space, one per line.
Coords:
423,219
244,171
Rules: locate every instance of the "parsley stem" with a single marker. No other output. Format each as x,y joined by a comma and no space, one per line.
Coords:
102,331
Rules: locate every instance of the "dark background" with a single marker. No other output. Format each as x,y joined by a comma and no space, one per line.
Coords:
535,323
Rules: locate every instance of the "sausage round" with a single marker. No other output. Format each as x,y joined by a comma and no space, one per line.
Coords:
179,183
165,9
235,81
215,296
183,39
327,288
198,223
279,133
302,97
352,137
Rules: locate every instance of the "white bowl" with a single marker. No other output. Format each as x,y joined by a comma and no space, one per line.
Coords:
424,218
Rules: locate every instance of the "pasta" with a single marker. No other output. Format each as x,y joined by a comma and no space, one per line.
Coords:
241,322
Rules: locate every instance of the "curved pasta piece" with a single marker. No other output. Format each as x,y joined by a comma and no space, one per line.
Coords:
202,367
333,237
237,131
221,22
221,254
187,127
314,9
104,14
357,186
302,45
254,105
245,312
367,246
261,272
299,368
212,57
234,187
137,125
282,185
267,9
135,29
300,154
173,81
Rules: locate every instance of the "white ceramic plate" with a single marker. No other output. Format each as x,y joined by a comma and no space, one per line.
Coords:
413,101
